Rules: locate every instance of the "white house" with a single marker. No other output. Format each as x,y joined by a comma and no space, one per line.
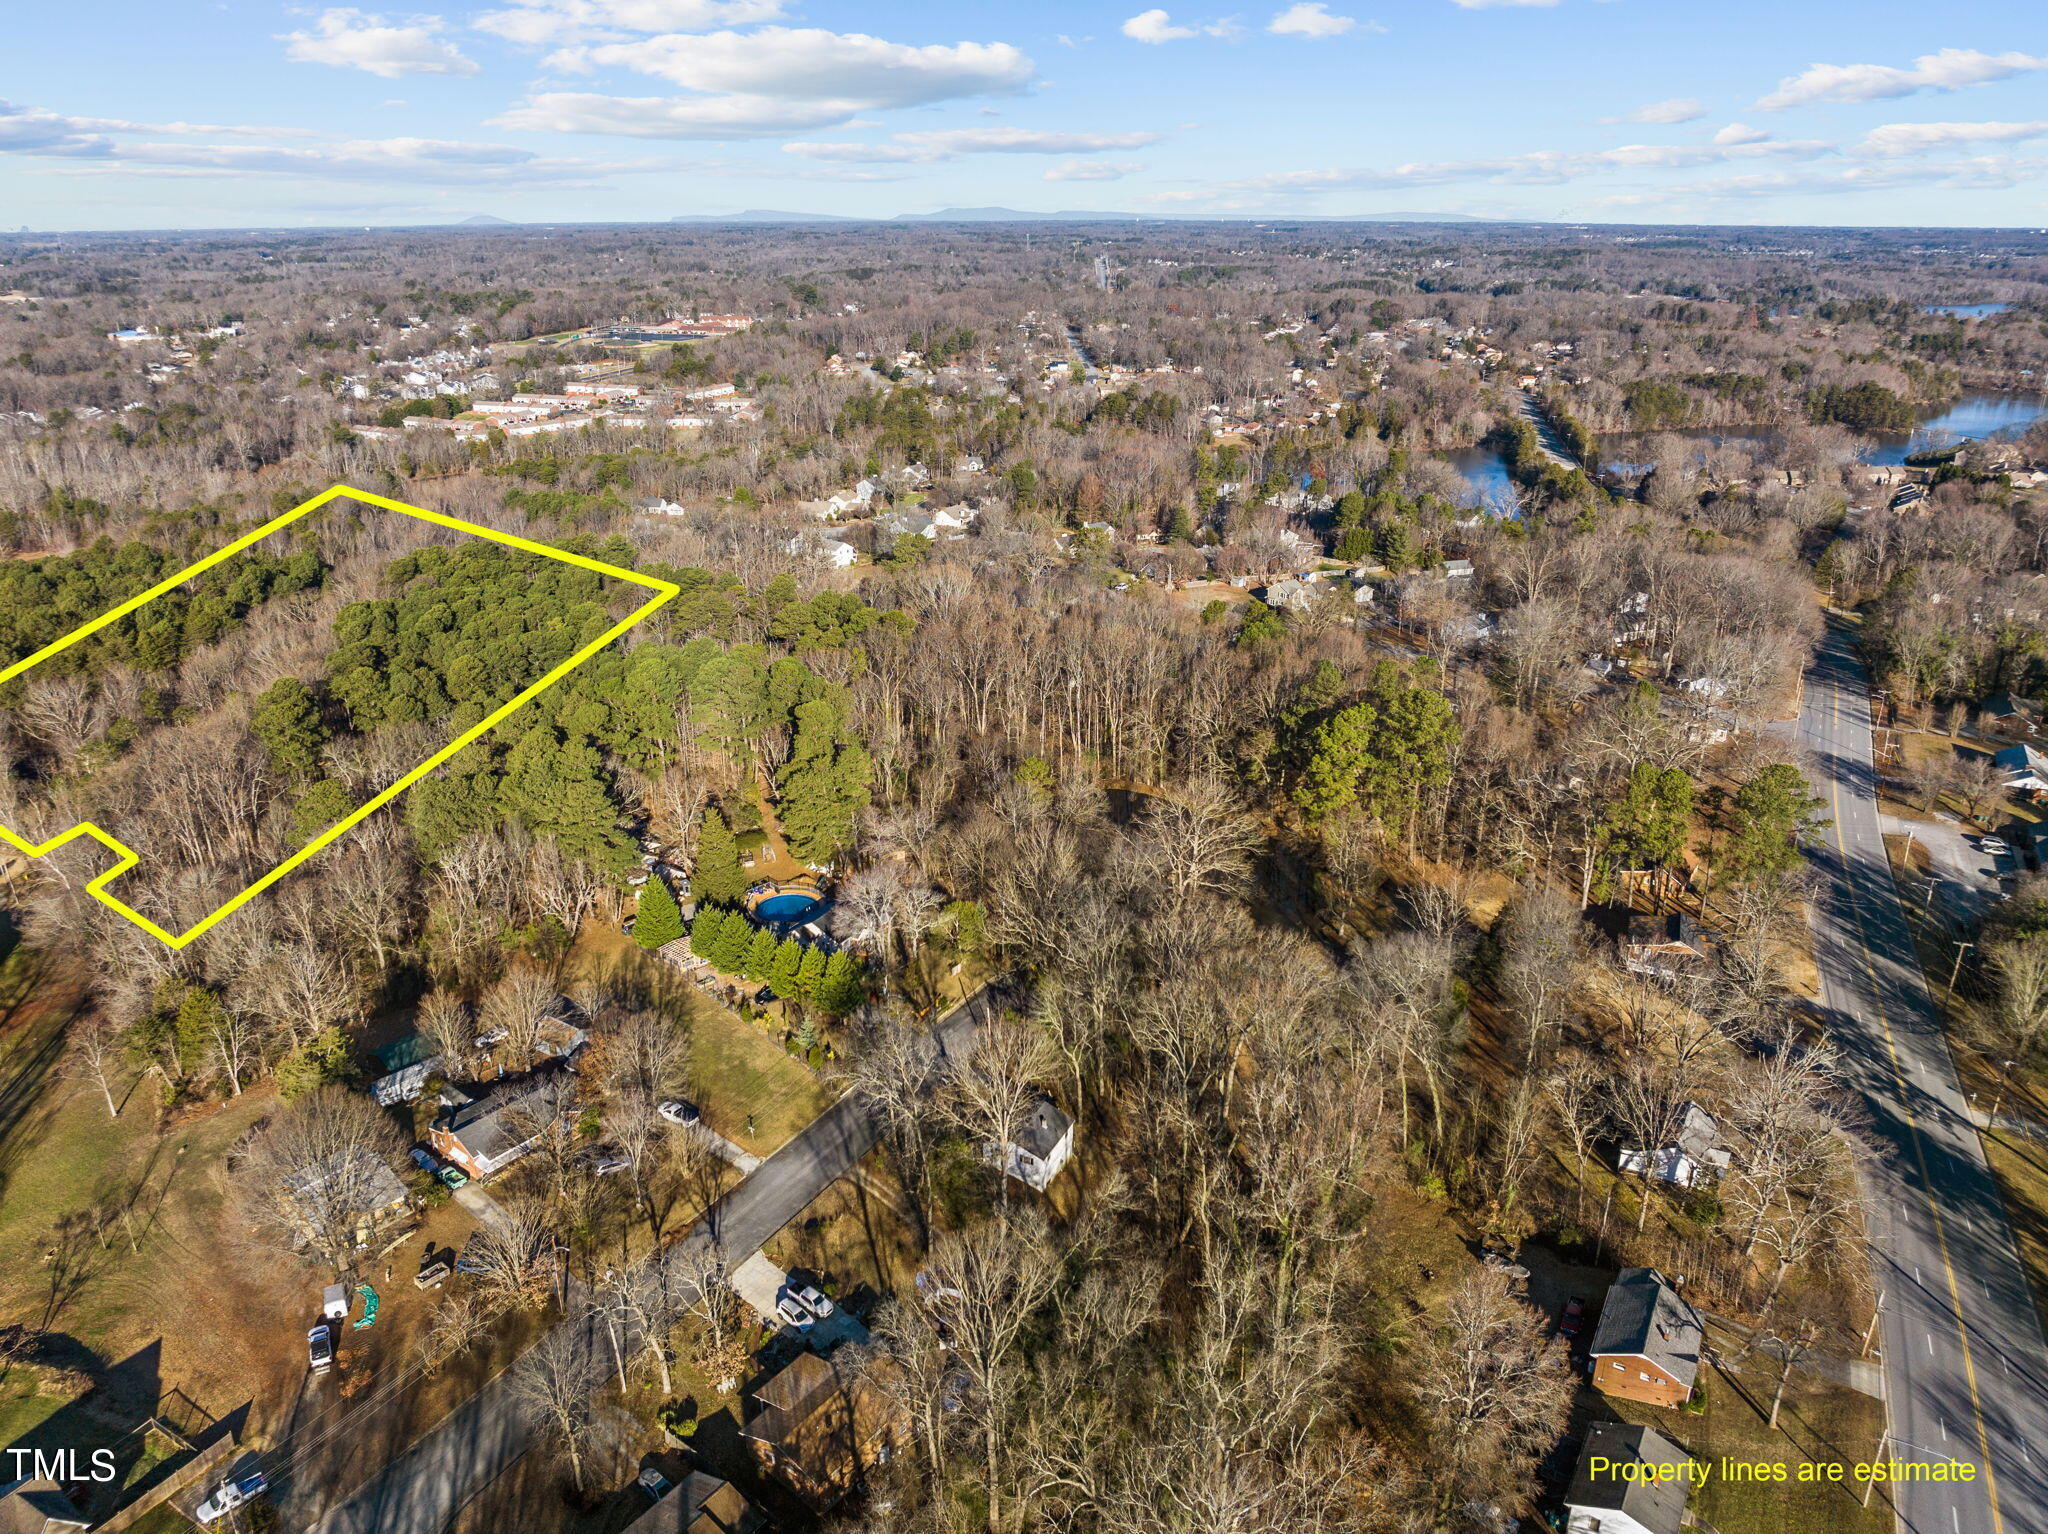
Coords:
1630,1480
1290,595
658,506
2026,770
1695,1154
1043,1145
831,551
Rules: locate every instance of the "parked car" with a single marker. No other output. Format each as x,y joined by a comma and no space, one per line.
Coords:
654,1483
677,1111
604,1161
320,1349
453,1176
424,1160
1992,846
230,1495
792,1312
1573,1321
811,1300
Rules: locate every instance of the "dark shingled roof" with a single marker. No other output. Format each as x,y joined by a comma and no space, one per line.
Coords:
1658,1506
1645,1317
1044,1129
480,1124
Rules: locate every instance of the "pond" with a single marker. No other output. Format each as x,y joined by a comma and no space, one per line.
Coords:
1979,415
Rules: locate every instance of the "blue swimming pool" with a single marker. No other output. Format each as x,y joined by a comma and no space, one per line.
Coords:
788,908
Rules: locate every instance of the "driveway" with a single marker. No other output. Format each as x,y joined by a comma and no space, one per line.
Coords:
1969,876
483,1437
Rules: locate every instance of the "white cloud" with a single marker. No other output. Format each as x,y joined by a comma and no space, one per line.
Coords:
350,39
1155,26
1093,170
1895,140
807,63
1952,69
1679,109
769,81
1312,18
669,117
32,129
537,22
1740,133
933,144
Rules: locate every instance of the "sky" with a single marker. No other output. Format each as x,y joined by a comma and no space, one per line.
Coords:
155,114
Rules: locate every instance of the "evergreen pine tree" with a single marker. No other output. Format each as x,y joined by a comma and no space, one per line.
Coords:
760,957
706,927
785,972
716,874
812,972
287,721
1339,754
843,986
659,920
734,933
557,787
825,782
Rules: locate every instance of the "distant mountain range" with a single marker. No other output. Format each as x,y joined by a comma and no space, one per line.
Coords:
1064,216
487,220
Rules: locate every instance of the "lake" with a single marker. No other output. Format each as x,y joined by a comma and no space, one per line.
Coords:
1979,416
1968,311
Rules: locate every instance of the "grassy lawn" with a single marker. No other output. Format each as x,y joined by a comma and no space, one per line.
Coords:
738,1068
110,1235
2021,1165
1820,1424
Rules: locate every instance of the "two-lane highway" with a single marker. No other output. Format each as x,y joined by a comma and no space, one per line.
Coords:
1966,1373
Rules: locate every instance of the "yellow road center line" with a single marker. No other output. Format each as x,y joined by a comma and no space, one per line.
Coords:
1912,1121
127,857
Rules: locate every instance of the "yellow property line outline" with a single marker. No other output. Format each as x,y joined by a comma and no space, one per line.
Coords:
128,857
1864,956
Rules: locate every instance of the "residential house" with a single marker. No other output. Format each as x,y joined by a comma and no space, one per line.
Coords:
1291,595
407,1063
709,392
1630,1480
1695,1154
351,1190
1663,945
657,506
1647,1346
703,1504
917,524
817,1427
2026,770
1458,570
38,1506
1043,1145
488,1132
833,552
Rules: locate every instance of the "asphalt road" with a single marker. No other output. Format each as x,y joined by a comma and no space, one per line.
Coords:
482,1438
1965,1369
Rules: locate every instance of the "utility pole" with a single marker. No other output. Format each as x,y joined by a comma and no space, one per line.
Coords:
2005,1068
1956,970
